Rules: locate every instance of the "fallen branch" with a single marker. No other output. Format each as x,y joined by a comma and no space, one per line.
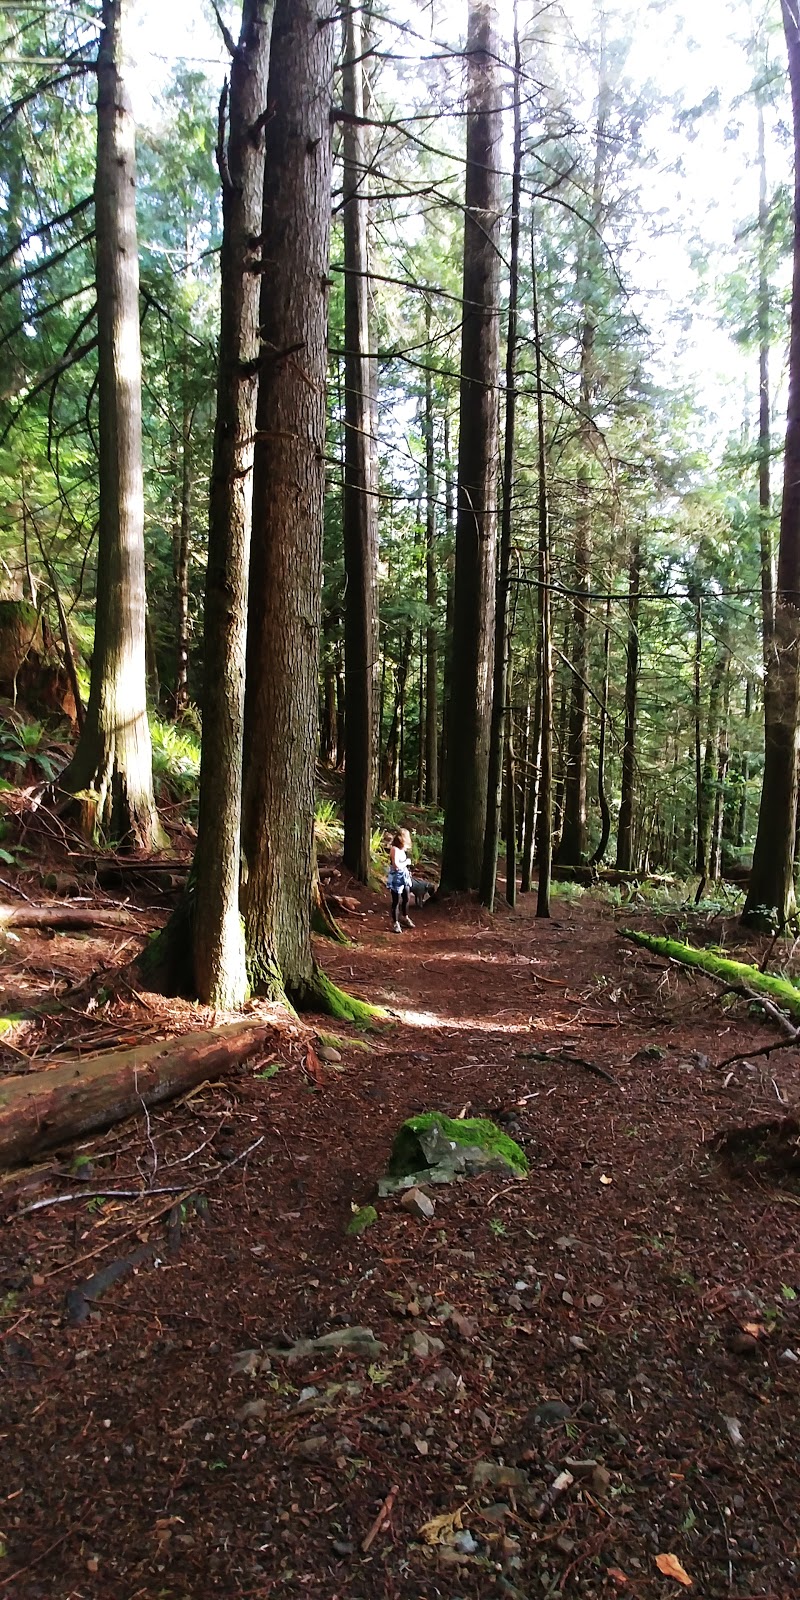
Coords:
758,984
63,917
41,1110
140,1194
382,1519
571,1060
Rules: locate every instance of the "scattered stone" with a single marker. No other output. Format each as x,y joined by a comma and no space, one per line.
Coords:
789,1355
743,1344
252,1411
496,1512
309,1393
465,1542
414,1308
601,1480
566,1242
577,1343
515,1304
405,1430
248,1363
423,1345
489,1475
595,1301
581,1469
466,1326
445,1380
734,1430
422,1446
341,1547
418,1205
549,1412
328,1052
567,1298
521,1285
565,1544
312,1448
483,1418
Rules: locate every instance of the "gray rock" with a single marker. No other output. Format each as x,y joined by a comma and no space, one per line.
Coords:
423,1345
549,1412
313,1447
577,1343
247,1363
418,1205
490,1475
465,1542
445,1380
252,1411
341,1547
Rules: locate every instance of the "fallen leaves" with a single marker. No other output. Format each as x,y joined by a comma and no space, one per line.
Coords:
671,1567
440,1530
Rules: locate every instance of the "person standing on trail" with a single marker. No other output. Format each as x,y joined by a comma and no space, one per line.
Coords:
399,878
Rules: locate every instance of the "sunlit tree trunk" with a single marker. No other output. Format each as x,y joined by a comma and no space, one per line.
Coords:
286,560
113,759
431,599
545,818
218,935
624,860
474,597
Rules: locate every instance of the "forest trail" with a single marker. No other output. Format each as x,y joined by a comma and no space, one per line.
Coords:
627,1315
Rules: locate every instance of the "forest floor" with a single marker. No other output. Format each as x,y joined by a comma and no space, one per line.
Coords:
627,1315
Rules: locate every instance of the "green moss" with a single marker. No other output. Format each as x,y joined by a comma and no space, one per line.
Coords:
361,1220
407,1157
317,993
781,990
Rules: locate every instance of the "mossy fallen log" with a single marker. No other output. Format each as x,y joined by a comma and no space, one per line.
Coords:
41,1110
780,990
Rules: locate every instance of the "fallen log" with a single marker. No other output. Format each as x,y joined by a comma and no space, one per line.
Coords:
780,990
64,917
42,1110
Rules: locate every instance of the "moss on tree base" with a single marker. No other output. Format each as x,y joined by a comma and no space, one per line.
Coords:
781,990
317,993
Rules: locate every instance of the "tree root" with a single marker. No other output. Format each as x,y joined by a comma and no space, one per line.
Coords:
317,993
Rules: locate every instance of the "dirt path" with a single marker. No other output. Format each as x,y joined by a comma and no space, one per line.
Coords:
626,1315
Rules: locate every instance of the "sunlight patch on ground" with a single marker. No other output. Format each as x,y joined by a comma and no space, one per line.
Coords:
429,1019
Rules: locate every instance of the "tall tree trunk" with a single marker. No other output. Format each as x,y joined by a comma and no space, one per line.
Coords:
431,599
705,815
450,570
182,561
288,490
114,756
764,498
510,798
500,712
572,847
545,828
605,810
771,890
474,598
624,859
218,937
360,508
532,790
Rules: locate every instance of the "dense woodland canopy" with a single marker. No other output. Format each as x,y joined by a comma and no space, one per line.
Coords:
384,432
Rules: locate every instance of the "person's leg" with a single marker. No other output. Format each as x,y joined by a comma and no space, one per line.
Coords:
396,910
404,909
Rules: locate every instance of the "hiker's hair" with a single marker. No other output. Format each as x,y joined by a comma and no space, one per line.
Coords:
402,837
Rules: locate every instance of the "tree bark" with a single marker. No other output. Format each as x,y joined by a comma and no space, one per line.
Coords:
605,810
501,674
474,597
360,507
431,600
182,564
545,821
624,858
114,756
286,561
450,570
218,937
41,1110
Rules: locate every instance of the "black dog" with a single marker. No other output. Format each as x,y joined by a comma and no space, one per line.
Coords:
422,891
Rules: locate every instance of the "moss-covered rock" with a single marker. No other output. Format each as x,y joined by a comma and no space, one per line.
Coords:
440,1149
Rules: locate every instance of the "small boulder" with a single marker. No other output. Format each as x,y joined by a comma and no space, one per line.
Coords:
418,1205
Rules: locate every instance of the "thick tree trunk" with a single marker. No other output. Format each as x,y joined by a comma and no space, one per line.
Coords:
624,858
474,598
771,891
360,508
114,757
533,777
501,673
450,571
764,432
286,561
69,1099
218,938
